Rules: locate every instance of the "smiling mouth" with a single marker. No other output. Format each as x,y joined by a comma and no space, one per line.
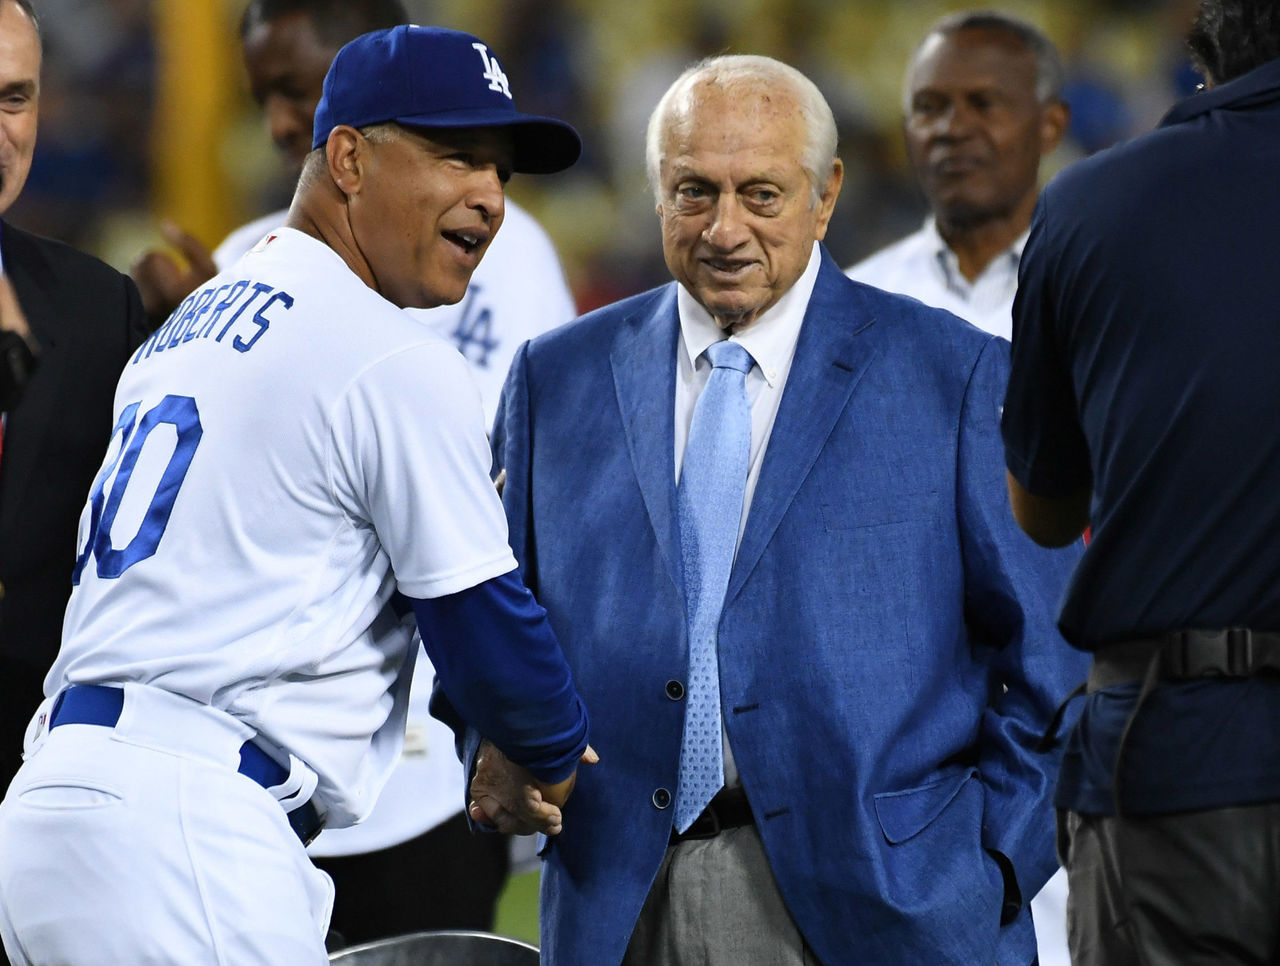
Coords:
469,241
724,266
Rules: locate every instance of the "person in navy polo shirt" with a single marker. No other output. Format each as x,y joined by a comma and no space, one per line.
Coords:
1143,401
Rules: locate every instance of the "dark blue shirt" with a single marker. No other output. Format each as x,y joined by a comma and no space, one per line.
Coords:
1146,342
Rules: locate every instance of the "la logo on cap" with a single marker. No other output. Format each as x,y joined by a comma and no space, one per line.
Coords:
493,71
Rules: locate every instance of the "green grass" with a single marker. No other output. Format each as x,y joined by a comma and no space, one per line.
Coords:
518,908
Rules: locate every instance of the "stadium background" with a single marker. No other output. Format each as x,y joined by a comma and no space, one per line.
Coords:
145,115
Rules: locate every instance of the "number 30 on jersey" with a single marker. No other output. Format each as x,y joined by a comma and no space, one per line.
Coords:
178,412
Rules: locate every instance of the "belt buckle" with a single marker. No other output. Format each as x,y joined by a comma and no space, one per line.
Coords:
1239,651
705,826
1191,654
1228,652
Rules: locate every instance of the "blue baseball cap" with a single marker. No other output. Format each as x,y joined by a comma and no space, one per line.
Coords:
430,77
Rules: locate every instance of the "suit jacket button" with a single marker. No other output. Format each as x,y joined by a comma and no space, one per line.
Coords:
675,690
661,798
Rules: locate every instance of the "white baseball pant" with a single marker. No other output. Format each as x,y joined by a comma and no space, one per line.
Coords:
142,844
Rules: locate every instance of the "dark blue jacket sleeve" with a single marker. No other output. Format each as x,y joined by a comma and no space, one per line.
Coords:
500,673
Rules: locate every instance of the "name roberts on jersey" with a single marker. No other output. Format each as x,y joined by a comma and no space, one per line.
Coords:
188,320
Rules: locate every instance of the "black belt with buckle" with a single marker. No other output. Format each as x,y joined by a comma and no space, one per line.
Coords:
729,809
1232,652
1183,655
97,704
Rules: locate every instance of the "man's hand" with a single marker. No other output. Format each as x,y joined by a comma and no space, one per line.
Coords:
508,797
161,282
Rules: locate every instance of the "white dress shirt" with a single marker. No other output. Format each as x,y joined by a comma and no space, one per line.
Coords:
771,341
922,266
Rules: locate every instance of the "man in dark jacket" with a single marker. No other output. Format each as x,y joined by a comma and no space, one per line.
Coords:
83,320
1143,401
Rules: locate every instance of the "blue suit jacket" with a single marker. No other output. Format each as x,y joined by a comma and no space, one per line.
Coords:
888,655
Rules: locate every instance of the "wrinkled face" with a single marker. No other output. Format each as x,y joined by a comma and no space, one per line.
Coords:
737,211
286,62
975,131
19,97
429,204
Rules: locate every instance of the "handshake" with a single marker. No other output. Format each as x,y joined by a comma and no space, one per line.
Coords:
507,797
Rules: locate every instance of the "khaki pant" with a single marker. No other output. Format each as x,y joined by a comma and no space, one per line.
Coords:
714,903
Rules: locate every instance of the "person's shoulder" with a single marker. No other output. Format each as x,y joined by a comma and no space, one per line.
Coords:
919,317
1125,170
888,262
906,324
245,237
60,261
933,347
339,306
606,318
599,328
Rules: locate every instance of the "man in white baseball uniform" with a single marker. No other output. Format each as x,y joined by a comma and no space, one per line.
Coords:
298,475
982,104
517,292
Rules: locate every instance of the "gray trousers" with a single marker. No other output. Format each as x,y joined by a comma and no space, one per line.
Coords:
714,903
1189,889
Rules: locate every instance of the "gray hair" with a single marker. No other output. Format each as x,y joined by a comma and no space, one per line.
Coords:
1049,71
819,154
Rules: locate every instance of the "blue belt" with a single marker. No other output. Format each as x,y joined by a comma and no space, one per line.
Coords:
96,704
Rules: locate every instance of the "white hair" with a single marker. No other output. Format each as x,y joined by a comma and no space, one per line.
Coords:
819,154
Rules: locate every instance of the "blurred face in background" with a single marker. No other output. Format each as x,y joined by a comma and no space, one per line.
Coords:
286,61
975,130
19,98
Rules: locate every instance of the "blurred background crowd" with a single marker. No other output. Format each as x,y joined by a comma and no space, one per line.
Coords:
146,115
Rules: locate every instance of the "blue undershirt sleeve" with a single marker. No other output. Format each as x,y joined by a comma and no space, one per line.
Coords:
500,667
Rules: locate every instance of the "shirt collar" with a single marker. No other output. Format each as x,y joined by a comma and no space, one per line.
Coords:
771,338
1258,86
950,264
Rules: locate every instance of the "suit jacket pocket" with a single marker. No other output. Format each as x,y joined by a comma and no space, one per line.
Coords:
935,872
905,813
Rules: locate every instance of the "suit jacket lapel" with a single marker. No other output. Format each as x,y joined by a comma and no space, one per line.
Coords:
830,359
643,358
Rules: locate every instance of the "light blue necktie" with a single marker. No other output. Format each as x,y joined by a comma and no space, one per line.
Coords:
709,502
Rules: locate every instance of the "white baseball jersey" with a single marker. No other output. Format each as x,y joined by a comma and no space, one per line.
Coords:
290,448
517,292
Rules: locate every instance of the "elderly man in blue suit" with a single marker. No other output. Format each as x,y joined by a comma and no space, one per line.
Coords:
817,650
